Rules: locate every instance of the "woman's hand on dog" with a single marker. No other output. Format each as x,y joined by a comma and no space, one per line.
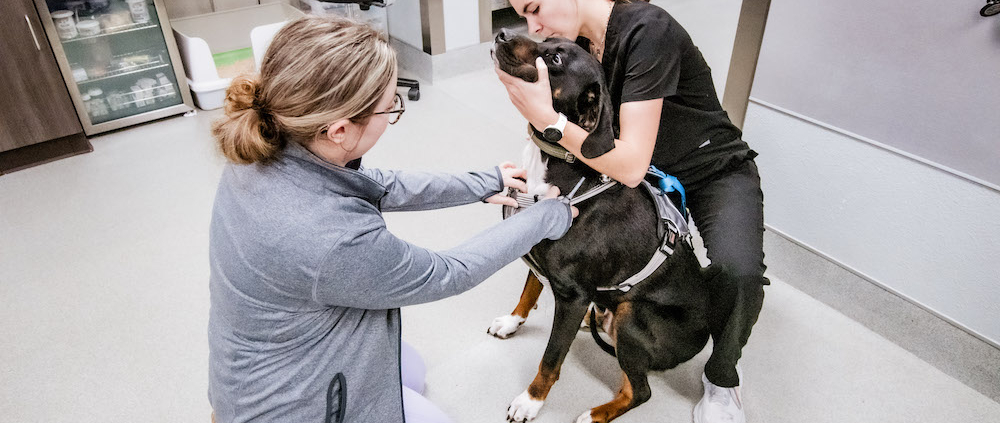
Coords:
513,177
533,100
554,193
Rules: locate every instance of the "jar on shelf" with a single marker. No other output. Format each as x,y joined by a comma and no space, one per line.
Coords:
118,100
97,57
88,28
166,88
139,10
85,98
141,96
97,107
65,25
79,73
115,20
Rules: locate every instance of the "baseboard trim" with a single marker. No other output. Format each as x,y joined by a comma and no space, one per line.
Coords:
956,350
44,152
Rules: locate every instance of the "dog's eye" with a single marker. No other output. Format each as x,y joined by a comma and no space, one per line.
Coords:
556,59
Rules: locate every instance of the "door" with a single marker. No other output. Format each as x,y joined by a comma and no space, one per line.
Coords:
35,105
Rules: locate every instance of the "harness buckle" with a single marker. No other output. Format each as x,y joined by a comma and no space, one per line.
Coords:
569,158
670,239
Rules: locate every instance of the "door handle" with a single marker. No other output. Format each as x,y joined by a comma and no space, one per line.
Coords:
32,30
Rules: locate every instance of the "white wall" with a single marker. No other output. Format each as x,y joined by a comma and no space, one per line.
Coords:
843,188
919,75
927,234
461,23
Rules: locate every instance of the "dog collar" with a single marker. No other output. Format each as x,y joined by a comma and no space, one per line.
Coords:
550,148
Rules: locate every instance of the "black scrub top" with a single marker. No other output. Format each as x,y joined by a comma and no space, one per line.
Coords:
648,55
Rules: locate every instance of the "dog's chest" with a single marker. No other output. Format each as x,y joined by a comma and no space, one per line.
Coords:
534,165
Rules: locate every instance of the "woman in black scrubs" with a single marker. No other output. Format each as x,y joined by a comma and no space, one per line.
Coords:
669,115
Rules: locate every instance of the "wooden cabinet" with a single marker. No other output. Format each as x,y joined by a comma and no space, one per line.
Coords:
35,106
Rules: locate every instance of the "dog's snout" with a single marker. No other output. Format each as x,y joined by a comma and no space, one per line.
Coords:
504,35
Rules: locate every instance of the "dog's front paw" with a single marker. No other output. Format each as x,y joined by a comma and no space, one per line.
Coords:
523,408
504,326
585,418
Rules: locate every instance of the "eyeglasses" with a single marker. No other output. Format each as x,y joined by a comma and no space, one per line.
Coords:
398,107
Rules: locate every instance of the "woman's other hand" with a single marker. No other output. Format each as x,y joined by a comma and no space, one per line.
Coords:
554,193
533,100
513,177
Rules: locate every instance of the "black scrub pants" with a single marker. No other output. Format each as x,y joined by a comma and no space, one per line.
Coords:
728,211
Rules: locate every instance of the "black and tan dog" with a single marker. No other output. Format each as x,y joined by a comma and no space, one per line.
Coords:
658,324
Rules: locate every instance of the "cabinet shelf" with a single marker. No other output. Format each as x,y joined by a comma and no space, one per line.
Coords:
125,29
116,74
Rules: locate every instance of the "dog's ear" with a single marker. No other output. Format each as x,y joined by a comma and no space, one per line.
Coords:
594,107
588,105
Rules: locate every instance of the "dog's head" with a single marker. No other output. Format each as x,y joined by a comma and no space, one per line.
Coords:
577,82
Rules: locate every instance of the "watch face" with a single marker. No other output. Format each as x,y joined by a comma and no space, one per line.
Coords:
990,9
552,134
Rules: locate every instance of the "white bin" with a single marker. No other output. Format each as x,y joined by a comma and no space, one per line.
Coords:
199,37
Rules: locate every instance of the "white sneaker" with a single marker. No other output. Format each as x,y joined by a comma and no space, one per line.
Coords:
720,405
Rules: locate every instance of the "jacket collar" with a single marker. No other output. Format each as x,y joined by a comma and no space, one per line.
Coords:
339,179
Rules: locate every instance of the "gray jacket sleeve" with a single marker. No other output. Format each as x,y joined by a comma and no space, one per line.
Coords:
377,270
409,191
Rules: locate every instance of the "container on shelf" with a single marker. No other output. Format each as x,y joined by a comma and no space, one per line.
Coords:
116,20
139,10
65,25
79,73
97,106
88,28
97,57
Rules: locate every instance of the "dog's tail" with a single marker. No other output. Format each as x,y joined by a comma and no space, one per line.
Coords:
597,338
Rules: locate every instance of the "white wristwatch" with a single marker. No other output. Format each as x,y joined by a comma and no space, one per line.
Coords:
554,132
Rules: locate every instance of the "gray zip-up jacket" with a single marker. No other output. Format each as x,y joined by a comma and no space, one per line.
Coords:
306,283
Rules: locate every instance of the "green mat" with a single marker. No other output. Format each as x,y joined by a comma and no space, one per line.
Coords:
231,57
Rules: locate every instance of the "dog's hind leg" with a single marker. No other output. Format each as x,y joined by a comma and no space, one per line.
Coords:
564,327
504,326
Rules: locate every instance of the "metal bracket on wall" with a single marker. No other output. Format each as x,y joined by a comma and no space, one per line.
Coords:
743,64
432,25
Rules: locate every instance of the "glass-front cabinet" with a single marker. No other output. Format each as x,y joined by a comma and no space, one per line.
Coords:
119,60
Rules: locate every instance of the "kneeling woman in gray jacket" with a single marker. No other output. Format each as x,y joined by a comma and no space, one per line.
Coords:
306,281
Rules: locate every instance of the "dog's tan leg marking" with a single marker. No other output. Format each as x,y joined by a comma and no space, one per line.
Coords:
546,377
529,297
618,406
213,417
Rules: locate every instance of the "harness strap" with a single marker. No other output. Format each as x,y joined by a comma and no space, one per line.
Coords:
525,200
592,192
675,229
